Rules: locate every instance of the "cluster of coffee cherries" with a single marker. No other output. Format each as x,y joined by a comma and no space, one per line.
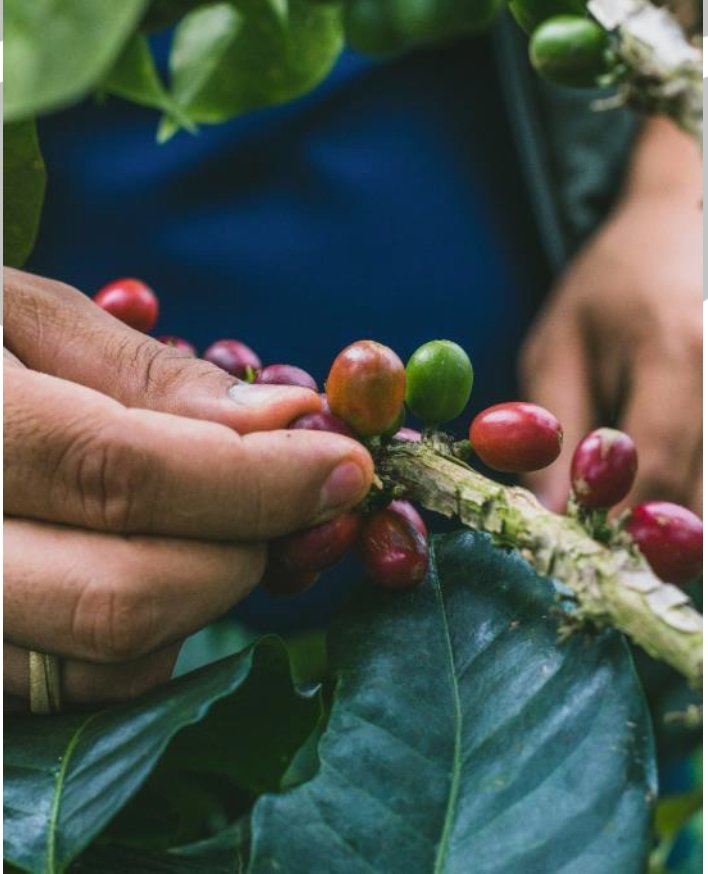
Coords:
367,393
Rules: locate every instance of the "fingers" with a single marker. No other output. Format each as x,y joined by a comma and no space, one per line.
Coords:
663,418
84,683
76,457
555,374
53,328
102,598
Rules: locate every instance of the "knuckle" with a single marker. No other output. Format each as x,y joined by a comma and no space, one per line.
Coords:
110,474
115,622
163,371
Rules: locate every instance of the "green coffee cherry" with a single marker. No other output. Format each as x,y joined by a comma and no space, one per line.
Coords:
529,14
570,50
439,378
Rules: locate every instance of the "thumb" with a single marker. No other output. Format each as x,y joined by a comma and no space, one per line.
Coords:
555,373
53,328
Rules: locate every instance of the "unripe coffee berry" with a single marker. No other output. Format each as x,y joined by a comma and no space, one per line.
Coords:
178,343
394,553
439,379
234,357
365,387
322,421
516,437
671,539
286,374
316,548
603,468
131,301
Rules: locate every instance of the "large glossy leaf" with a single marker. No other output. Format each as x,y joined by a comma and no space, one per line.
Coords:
57,50
24,179
232,57
465,738
67,777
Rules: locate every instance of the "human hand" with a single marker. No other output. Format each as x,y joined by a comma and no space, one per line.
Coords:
140,487
620,340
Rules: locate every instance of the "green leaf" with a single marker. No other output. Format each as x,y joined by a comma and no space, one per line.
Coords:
67,776
56,51
465,738
24,180
134,77
233,57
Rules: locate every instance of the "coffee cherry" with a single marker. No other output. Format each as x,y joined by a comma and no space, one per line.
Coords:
316,548
408,435
365,387
131,301
516,437
282,583
570,50
286,374
603,468
234,357
393,551
178,343
322,422
670,538
439,379
409,512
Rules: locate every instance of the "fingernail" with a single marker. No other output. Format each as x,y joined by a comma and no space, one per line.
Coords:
258,397
343,486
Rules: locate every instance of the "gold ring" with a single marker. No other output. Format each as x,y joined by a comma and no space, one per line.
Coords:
45,683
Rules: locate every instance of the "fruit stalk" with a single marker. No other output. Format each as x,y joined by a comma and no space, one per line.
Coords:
612,585
665,72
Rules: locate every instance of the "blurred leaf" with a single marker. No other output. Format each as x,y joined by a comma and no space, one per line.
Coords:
232,57
134,77
68,776
24,179
56,51
465,737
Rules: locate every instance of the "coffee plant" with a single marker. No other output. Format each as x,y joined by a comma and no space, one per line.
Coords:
475,707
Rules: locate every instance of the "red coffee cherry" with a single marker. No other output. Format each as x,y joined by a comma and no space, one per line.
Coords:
316,548
234,357
178,343
516,437
286,374
322,422
603,468
283,583
409,512
131,301
670,538
366,386
393,551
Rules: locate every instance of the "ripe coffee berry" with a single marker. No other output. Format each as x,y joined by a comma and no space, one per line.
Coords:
281,582
393,551
286,374
409,512
516,437
670,538
179,343
439,379
131,301
316,548
234,357
322,421
603,468
365,387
